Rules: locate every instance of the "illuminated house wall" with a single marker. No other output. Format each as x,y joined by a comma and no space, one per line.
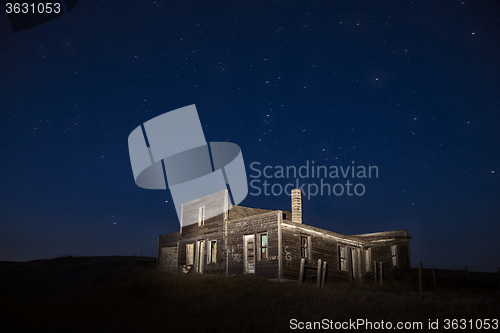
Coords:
269,244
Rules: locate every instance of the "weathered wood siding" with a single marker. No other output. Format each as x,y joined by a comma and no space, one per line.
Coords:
167,252
382,254
211,230
168,261
242,221
324,246
214,205
381,243
254,225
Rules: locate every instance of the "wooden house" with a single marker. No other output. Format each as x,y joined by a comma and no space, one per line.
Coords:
238,240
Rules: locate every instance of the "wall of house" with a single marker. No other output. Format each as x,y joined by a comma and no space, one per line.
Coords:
167,252
214,205
382,253
211,230
242,221
381,244
323,245
266,223
168,261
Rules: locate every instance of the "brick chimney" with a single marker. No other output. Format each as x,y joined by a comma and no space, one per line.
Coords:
297,205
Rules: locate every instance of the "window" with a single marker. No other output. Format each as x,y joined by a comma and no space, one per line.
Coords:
305,247
189,254
394,253
212,252
263,246
343,258
368,260
201,215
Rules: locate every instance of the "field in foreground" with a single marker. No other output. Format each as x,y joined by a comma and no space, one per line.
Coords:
126,294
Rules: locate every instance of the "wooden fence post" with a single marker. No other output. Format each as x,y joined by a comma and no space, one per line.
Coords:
318,274
434,275
375,271
301,272
381,264
420,290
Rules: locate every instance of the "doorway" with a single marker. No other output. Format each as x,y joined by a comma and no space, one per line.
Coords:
200,246
355,262
249,254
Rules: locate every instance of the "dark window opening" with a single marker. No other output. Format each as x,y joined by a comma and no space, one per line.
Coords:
212,252
343,258
394,254
305,247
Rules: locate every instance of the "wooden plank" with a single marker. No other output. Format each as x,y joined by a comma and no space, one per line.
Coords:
301,272
323,274
381,273
318,274
280,246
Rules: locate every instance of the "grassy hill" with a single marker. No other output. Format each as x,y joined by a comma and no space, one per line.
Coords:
126,294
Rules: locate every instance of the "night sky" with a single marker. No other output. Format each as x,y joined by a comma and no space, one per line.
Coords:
412,87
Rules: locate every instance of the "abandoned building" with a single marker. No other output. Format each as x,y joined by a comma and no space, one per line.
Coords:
272,243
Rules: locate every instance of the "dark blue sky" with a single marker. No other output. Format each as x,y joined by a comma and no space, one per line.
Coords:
409,86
